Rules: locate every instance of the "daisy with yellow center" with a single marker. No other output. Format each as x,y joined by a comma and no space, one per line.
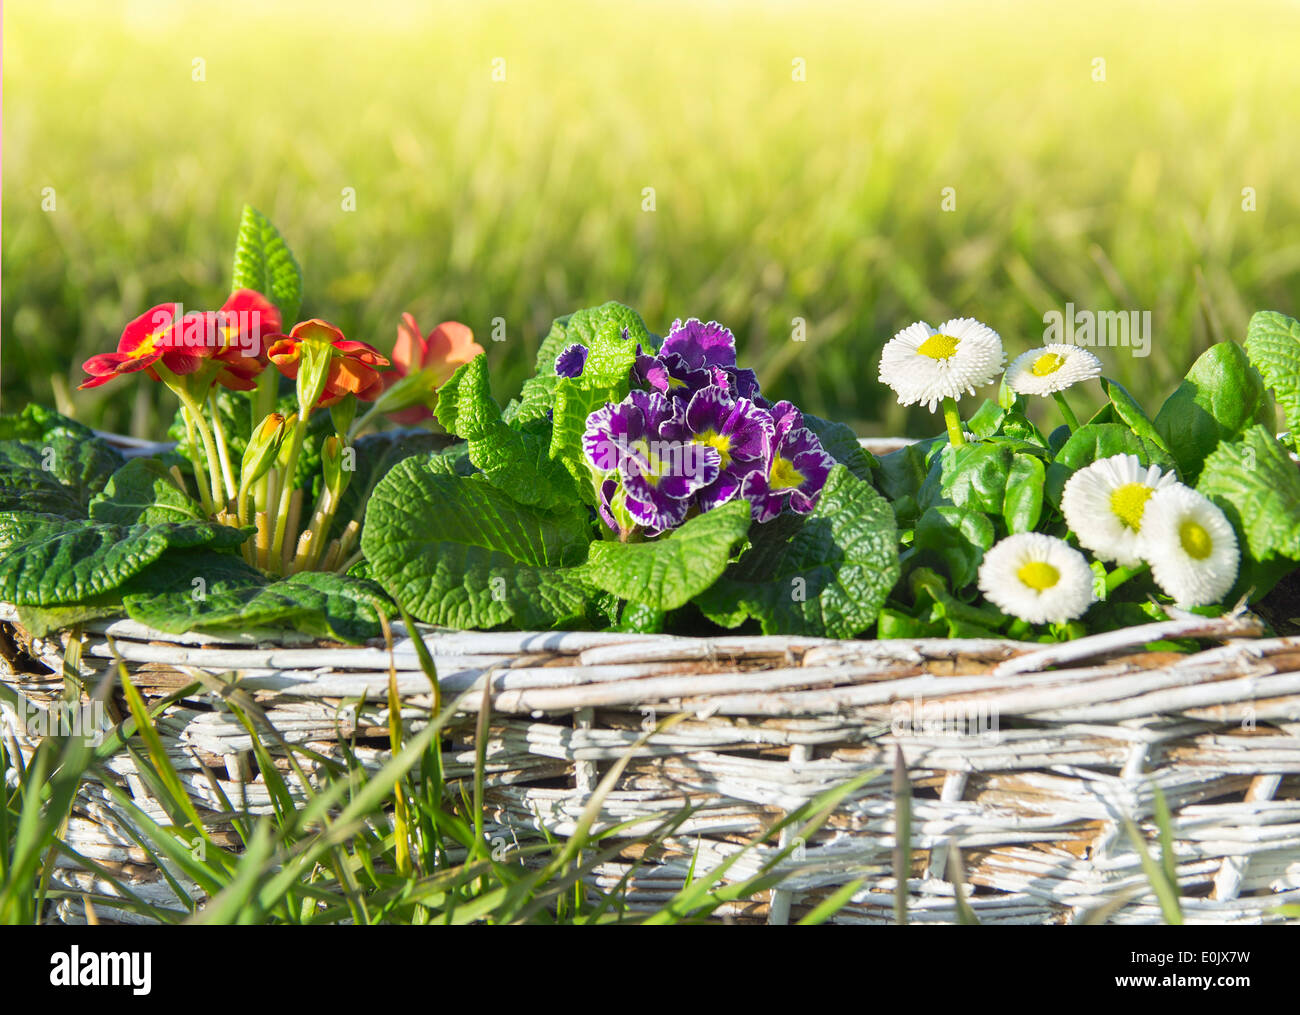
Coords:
1190,545
1105,506
927,366
1038,578
1050,370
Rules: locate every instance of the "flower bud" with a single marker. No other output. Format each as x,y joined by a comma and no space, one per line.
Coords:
336,460
263,447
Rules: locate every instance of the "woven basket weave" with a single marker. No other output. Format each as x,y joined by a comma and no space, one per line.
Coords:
1028,757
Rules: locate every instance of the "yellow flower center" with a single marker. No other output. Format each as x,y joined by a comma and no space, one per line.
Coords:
1048,363
146,346
1196,541
721,442
1039,575
783,475
1129,503
650,466
939,347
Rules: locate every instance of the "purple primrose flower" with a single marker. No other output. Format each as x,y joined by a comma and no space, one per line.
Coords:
658,475
795,473
570,362
700,345
737,429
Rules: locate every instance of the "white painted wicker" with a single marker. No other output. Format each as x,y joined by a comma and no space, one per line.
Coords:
1026,756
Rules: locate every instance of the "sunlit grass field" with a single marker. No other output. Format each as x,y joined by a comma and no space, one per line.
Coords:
774,198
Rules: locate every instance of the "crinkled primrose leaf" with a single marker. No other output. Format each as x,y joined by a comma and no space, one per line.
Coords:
1255,483
264,262
1273,344
460,552
825,574
234,596
58,472
666,573
75,562
513,457
144,492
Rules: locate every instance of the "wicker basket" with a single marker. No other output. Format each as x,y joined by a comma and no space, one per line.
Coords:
1027,756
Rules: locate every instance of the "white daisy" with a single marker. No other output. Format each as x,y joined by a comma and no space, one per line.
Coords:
1105,505
1051,369
1037,578
925,365
1190,545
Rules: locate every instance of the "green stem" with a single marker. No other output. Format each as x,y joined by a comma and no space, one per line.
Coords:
322,520
262,398
194,410
1071,420
952,419
1120,575
196,463
360,424
286,491
227,473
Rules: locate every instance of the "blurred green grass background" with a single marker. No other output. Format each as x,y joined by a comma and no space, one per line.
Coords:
775,198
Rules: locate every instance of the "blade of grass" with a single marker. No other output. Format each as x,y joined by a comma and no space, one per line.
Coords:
902,790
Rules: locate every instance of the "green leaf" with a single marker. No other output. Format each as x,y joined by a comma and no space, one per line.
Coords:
36,422
826,573
1257,485
936,605
640,619
958,537
82,560
514,458
38,621
897,624
144,492
573,404
536,399
668,572
1221,396
841,443
264,262
601,329
375,454
460,552
57,473
219,592
986,419
1022,504
901,473
16,526
975,475
349,607
1128,411
1273,344
1093,442
454,461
